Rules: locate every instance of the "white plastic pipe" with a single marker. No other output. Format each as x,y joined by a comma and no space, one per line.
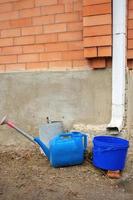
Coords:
119,64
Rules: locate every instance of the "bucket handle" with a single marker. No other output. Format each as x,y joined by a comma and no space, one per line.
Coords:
85,141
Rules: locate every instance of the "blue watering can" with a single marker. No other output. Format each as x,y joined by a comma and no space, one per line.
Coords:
66,149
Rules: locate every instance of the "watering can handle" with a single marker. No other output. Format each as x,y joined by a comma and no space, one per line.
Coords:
65,134
85,141
83,135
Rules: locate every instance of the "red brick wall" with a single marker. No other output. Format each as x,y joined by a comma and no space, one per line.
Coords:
97,31
41,34
130,34
58,34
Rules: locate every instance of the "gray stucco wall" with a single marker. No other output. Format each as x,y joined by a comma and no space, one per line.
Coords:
72,96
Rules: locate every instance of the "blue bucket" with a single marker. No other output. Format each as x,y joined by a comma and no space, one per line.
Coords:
109,153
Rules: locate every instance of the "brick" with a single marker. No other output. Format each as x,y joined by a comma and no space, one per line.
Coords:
97,30
130,4
4,25
8,59
130,44
37,66
33,30
99,9
9,16
78,6
53,47
97,63
109,62
28,58
114,174
10,33
5,1
104,51
11,50
97,20
15,67
130,14
70,36
6,42
7,7
130,24
77,45
43,20
24,40
54,28
80,15
21,22
61,64
88,2
2,68
66,1
130,54
33,12
47,38
73,55
23,4
130,64
76,26
97,41
90,52
69,7
81,63
130,34
52,56
48,10
45,2
36,48
67,17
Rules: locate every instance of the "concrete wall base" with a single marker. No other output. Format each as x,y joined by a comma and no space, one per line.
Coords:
72,96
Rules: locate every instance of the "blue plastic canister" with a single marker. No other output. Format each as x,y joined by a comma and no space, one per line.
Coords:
109,153
68,149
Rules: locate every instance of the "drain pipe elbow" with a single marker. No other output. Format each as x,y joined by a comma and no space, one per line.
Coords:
118,65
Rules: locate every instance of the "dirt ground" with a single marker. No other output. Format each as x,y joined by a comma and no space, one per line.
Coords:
26,174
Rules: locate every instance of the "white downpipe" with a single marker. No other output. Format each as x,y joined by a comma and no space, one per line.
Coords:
119,64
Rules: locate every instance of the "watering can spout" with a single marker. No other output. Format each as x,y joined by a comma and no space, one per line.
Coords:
43,147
